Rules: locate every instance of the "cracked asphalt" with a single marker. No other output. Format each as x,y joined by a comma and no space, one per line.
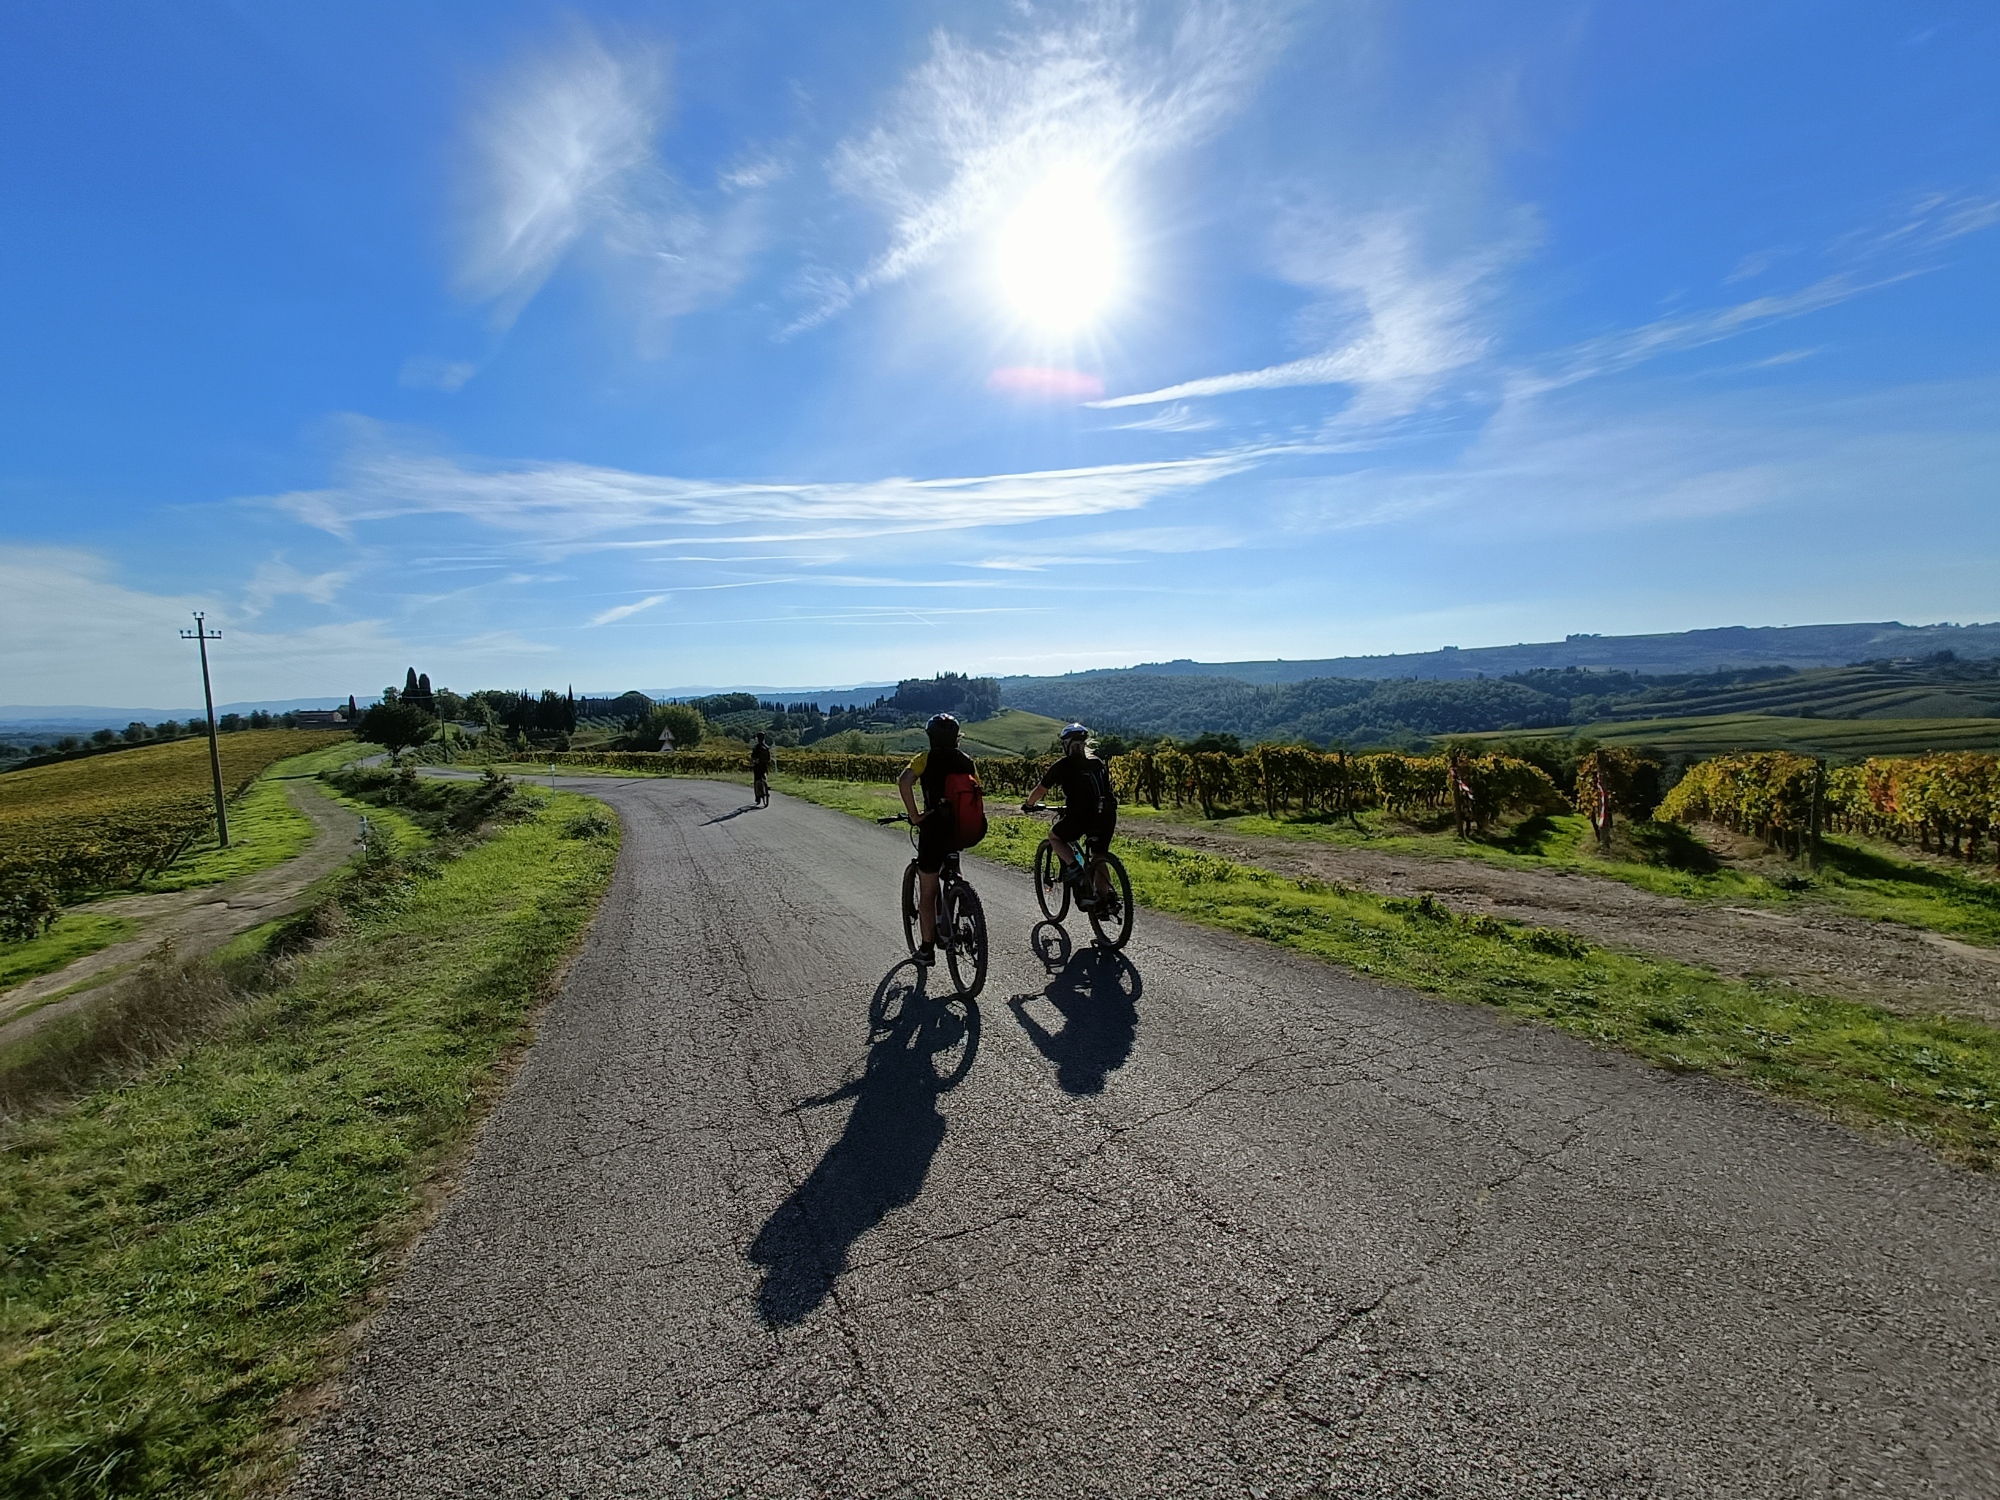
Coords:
762,1215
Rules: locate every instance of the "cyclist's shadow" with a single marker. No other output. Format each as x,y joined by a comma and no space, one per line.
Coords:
1096,991
920,1045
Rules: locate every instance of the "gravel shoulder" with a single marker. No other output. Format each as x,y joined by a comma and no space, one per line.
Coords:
765,1214
1884,963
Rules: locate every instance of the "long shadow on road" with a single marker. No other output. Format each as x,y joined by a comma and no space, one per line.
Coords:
919,1045
1096,992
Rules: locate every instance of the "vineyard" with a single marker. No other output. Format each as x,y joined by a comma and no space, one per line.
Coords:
107,823
1947,803
1274,778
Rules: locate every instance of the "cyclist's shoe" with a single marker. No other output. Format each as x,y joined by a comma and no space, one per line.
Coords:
925,956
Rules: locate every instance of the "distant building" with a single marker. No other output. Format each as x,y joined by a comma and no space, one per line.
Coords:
320,718
666,739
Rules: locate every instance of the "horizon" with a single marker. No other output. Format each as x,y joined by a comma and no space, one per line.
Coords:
16,714
675,344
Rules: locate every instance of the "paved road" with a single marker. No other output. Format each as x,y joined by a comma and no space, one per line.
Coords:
1214,1221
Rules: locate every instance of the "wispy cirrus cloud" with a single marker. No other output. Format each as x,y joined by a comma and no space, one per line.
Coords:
562,154
276,579
1400,324
625,611
974,128
567,506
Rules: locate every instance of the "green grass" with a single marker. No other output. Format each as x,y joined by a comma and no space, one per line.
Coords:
180,1256
1936,1081
332,758
1855,877
1012,731
76,934
264,830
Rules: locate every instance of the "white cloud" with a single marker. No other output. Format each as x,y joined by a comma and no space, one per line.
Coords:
974,128
563,155
568,505
1405,324
1178,417
422,373
276,579
622,611
86,637
1632,346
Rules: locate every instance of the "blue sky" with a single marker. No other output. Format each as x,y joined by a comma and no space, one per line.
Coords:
636,345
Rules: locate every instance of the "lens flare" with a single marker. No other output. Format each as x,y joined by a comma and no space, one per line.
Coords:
1059,256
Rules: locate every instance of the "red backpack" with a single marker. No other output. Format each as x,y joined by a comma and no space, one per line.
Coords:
967,800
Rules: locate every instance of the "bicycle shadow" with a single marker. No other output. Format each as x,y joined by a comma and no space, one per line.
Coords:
1096,991
919,1045
725,817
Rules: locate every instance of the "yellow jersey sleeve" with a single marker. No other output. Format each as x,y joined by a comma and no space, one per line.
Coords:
917,766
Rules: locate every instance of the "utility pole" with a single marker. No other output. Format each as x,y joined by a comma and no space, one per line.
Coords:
202,635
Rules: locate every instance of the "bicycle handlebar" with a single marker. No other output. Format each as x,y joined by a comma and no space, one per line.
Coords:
899,818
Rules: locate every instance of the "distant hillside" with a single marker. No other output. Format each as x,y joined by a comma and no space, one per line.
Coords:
1735,646
1358,712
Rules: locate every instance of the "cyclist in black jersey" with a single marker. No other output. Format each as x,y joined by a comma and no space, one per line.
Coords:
1089,807
937,832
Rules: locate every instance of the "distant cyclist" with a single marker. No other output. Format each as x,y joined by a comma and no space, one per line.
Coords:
760,770
937,824
1089,807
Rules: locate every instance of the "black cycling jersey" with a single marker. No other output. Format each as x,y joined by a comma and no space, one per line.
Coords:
760,757
1085,782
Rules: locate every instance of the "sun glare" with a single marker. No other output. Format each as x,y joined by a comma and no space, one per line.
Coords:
1059,254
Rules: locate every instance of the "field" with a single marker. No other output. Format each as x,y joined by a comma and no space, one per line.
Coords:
1929,690
1838,739
113,821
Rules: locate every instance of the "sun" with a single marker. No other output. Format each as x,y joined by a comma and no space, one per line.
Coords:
1059,256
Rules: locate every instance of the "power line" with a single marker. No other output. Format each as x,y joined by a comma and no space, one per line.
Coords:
202,635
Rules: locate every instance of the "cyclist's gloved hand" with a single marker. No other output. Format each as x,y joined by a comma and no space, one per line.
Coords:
1027,807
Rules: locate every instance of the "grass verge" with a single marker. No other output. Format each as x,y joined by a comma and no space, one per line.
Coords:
1936,1081
1855,877
181,1254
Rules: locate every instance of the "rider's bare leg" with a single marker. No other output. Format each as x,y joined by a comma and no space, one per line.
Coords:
927,905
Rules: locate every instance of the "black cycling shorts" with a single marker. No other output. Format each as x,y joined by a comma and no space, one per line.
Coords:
936,837
1100,826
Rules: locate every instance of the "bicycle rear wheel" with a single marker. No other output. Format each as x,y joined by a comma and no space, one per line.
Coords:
1051,890
966,953
913,930
1114,927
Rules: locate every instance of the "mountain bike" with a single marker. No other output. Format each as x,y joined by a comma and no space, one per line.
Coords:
961,920
1110,915
760,787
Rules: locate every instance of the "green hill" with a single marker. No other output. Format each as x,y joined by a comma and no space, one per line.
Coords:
1837,739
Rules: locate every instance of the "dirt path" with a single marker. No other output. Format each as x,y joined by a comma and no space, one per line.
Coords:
1824,952
194,921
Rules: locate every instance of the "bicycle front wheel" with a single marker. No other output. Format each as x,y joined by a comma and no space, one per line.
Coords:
1115,926
1051,890
967,950
912,926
